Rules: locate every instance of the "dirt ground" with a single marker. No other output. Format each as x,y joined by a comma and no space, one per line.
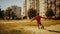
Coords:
27,27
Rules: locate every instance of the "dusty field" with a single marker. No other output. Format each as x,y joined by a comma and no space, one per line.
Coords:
27,27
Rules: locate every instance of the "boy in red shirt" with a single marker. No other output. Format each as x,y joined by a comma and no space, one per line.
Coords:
38,19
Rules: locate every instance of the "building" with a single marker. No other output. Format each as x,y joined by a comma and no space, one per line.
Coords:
55,6
34,4
52,4
25,8
16,10
30,4
42,8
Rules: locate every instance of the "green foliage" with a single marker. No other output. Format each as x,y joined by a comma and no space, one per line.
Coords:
0,9
1,14
49,13
32,13
8,12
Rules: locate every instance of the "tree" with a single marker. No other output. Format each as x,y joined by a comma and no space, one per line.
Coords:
49,13
31,13
1,14
9,13
13,15
0,9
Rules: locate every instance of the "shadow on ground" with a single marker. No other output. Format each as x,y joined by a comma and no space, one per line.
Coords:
12,32
54,31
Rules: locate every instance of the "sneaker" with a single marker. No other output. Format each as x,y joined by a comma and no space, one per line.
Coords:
42,27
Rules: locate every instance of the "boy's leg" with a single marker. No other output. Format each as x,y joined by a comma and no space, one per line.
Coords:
38,25
42,27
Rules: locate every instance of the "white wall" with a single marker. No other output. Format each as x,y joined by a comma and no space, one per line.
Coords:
42,8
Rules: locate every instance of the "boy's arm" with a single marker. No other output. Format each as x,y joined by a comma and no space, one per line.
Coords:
43,17
32,19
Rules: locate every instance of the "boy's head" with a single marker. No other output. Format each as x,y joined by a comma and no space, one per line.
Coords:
37,13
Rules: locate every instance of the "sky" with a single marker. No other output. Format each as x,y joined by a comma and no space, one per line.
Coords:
6,3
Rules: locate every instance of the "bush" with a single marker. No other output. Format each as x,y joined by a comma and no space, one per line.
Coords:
18,18
31,13
25,17
2,14
49,13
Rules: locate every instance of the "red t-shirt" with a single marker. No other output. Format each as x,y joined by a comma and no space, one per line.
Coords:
38,18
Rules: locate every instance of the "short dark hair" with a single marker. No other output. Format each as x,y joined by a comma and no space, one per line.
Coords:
37,13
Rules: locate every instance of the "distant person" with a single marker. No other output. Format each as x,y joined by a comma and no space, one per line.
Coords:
38,19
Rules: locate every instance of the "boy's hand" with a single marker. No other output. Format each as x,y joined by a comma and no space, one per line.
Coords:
31,20
44,18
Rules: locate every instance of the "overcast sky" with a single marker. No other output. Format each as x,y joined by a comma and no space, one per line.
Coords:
6,3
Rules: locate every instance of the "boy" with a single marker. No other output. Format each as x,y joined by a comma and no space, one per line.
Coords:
38,19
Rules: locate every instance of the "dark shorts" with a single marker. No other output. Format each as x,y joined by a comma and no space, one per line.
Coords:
39,23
